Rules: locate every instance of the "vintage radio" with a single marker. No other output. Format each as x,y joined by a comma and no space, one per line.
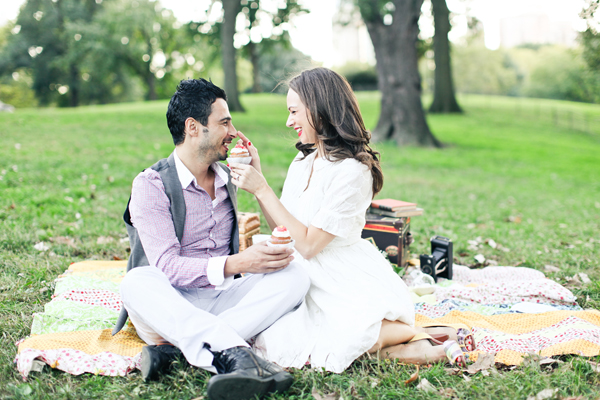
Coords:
390,234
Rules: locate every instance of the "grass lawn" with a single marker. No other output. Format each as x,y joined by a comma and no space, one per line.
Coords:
532,187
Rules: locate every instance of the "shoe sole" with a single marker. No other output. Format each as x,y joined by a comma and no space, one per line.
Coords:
146,366
240,387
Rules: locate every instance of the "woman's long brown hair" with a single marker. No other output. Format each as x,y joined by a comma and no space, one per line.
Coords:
335,116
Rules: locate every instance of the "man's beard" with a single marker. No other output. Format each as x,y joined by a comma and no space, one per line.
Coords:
209,154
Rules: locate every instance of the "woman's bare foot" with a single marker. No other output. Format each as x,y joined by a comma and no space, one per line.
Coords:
440,330
419,352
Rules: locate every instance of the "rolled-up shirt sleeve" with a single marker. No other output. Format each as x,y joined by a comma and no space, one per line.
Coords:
151,216
215,272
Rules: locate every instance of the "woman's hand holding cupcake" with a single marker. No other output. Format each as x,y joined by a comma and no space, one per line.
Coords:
252,150
248,178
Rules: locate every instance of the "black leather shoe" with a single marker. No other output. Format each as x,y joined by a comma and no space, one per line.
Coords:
158,359
244,375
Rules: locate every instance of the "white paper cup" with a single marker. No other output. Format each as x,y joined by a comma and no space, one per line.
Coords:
259,238
423,289
239,160
290,245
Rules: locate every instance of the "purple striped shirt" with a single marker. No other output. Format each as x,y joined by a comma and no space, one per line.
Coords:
207,231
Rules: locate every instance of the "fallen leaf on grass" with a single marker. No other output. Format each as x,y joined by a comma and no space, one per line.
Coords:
63,240
573,282
353,391
413,377
584,278
374,382
595,366
515,219
484,361
480,258
41,246
453,371
544,394
448,392
104,240
330,396
425,386
467,379
550,361
551,268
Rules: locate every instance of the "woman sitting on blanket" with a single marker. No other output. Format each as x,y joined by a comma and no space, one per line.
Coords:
356,303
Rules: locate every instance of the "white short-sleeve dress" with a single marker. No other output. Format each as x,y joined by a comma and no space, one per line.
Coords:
353,287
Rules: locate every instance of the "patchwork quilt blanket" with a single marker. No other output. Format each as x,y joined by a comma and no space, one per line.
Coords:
512,312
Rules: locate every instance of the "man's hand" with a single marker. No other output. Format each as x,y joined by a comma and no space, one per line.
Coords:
258,259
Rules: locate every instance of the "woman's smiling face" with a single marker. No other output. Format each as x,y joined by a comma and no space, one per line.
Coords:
298,118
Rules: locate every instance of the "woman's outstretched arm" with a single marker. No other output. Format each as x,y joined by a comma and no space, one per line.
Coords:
256,164
309,240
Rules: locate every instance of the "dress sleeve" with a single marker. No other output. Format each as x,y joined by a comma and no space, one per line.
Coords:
347,196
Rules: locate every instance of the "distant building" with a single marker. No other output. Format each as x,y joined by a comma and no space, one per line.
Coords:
535,29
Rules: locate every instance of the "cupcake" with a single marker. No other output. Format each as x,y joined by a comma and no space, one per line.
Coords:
239,154
280,237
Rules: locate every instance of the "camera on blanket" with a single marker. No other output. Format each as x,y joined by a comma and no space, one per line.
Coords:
439,263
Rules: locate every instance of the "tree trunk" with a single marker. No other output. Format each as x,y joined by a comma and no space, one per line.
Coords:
402,117
150,78
151,82
231,8
256,88
73,86
444,100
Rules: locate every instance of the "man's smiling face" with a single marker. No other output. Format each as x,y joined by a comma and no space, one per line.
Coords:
217,135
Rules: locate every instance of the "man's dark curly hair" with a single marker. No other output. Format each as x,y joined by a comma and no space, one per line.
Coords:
193,98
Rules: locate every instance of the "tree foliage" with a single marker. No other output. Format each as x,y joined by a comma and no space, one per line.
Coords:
590,38
42,42
89,51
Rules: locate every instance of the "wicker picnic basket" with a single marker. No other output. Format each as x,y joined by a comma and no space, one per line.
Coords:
249,225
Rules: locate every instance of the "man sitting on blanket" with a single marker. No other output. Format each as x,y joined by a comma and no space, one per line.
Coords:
181,294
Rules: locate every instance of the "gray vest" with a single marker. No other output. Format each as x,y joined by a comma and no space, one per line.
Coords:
168,173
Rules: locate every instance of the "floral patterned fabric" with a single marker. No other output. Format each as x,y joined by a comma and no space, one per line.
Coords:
504,285
446,306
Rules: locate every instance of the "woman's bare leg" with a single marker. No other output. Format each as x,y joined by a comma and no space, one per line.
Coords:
392,333
419,352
